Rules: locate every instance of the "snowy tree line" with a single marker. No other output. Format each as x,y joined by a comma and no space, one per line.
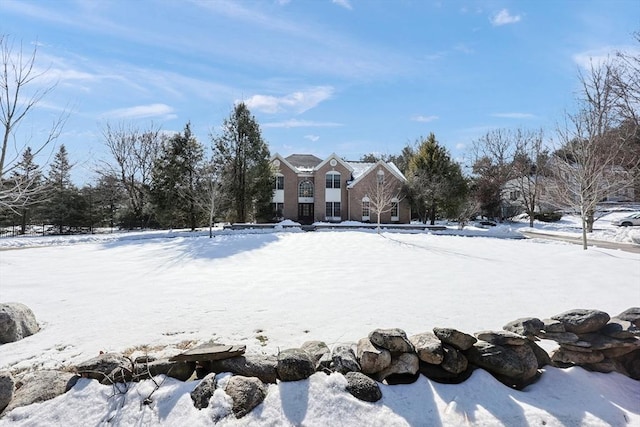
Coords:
156,179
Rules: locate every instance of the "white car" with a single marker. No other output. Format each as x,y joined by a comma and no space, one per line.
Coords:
628,221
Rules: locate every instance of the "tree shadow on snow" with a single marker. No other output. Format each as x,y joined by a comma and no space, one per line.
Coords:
413,402
294,400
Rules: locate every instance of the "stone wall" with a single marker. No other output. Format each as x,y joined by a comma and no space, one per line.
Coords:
587,338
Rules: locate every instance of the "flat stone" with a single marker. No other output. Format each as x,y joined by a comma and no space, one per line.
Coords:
501,337
428,347
395,340
602,342
453,337
262,367
208,352
582,321
618,328
553,326
563,355
560,337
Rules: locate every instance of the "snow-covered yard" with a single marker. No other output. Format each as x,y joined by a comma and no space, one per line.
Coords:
273,290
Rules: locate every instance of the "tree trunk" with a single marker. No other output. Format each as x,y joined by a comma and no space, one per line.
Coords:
584,234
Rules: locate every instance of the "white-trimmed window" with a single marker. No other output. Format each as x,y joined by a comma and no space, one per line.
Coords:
333,180
366,209
380,176
333,211
395,210
305,189
278,182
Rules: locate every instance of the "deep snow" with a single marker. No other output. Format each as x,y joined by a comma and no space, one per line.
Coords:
145,292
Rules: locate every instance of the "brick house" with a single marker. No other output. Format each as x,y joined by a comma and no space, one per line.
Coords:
308,189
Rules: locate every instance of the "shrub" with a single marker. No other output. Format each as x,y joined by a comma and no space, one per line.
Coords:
548,216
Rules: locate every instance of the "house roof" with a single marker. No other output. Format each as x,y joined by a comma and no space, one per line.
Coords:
304,162
361,169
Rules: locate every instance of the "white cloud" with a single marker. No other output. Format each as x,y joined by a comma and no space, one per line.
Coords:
141,112
461,146
424,119
503,18
313,138
343,3
296,102
601,55
293,123
514,115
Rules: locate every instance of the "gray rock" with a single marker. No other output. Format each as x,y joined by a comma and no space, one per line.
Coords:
209,352
39,386
603,342
319,352
344,359
631,315
515,366
501,337
563,355
453,337
553,326
99,368
428,347
17,321
582,321
526,326
613,353
403,364
372,359
454,361
246,393
295,364
362,387
260,366
395,340
560,337
631,364
605,366
6,389
179,370
618,328
201,394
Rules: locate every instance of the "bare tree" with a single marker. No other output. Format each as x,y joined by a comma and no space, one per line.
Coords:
527,170
588,166
384,194
18,74
134,152
209,198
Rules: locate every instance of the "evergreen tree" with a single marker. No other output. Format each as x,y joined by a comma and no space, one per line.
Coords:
108,197
435,182
243,159
61,191
176,181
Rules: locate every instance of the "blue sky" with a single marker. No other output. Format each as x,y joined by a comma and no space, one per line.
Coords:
320,76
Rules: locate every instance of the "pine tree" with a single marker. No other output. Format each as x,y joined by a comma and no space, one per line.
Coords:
28,178
243,159
176,181
61,191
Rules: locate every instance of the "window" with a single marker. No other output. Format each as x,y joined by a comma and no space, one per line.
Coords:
394,210
333,180
333,211
305,189
278,183
366,209
277,209
380,176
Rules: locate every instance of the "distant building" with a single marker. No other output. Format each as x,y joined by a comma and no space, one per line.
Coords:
308,189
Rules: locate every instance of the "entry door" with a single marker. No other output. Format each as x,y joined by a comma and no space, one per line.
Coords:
305,213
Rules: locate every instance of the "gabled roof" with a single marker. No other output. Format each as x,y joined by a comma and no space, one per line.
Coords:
338,159
362,169
284,161
304,162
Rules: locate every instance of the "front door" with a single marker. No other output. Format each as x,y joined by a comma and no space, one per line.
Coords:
305,213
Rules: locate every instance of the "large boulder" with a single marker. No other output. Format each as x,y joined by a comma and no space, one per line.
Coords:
17,321
39,386
582,321
362,387
250,365
6,389
295,364
372,358
246,393
344,359
428,347
515,366
455,338
201,394
395,340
